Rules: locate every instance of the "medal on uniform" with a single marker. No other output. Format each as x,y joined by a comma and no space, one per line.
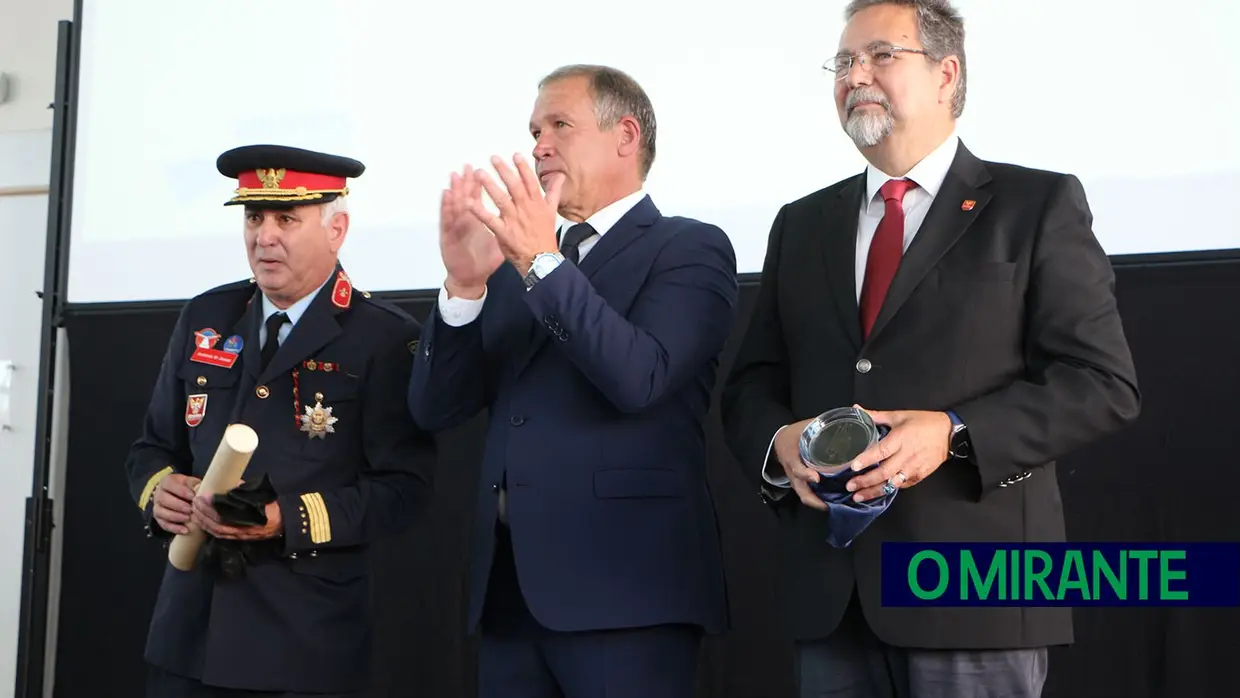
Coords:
318,420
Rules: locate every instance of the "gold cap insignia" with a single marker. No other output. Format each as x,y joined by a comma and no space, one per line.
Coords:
270,177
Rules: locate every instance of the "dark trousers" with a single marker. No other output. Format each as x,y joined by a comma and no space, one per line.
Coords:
161,684
854,663
519,658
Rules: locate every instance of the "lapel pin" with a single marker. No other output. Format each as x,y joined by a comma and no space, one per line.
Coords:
967,205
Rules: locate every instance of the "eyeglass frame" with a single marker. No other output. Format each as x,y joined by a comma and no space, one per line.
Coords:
828,65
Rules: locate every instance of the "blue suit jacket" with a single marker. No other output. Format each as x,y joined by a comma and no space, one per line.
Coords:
598,381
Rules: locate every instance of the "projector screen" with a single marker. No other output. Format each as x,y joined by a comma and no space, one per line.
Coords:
1139,103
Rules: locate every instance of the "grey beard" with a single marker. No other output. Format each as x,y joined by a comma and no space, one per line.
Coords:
868,130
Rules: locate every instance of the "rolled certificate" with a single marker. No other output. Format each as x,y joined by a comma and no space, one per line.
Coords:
229,464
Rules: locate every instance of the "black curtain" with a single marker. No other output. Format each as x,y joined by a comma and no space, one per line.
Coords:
1167,479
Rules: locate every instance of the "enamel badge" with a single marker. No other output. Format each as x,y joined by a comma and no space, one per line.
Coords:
195,409
206,353
206,338
318,421
342,292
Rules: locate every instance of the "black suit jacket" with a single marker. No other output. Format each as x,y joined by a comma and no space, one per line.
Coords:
299,620
1004,313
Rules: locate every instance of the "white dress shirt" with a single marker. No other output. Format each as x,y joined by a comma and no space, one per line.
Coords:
458,312
928,175
294,313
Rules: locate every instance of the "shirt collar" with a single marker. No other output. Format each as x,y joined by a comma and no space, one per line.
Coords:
928,174
296,310
606,218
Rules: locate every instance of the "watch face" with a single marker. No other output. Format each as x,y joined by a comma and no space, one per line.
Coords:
959,443
543,264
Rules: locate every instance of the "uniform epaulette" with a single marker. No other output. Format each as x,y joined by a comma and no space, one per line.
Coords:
246,285
386,305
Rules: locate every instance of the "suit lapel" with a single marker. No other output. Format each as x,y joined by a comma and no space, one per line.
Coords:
839,249
316,328
945,222
632,226
625,232
248,327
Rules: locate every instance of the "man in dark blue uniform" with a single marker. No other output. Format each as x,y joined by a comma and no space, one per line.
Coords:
278,604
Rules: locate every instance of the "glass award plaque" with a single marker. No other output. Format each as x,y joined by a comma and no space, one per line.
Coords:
830,442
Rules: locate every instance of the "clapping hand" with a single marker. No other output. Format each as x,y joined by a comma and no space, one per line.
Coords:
470,252
526,224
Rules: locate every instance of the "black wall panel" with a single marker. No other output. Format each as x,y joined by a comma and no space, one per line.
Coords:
1168,478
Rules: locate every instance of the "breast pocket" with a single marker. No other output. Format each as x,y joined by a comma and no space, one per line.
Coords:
210,395
330,413
993,272
973,273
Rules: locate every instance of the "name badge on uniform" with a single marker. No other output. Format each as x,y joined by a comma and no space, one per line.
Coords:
206,353
195,409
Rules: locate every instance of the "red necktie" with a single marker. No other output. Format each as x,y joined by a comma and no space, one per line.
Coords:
886,249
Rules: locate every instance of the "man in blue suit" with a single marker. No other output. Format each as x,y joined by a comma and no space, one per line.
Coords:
595,561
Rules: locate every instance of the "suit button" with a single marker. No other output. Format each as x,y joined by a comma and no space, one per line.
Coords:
495,487
262,392
864,366
516,420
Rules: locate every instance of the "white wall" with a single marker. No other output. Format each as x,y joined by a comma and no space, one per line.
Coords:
28,30
28,56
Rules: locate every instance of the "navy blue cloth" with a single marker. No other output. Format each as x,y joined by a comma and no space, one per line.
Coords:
164,684
520,658
597,392
848,517
297,617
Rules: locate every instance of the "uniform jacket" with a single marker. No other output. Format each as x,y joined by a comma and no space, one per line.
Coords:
299,620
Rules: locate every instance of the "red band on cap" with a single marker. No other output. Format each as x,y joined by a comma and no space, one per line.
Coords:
286,180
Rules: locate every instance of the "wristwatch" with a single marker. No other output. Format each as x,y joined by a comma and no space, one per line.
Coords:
544,263
958,445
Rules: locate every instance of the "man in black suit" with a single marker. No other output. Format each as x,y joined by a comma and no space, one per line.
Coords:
968,306
279,602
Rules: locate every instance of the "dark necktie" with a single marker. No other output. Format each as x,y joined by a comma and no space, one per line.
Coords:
573,238
886,249
273,337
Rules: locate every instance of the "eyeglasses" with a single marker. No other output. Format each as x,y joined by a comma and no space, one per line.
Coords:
879,57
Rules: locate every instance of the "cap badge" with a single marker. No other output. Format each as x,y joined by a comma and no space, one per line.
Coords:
270,177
